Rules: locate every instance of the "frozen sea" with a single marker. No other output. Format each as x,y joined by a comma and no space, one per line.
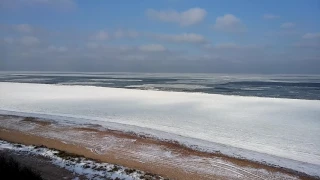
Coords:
277,86
273,119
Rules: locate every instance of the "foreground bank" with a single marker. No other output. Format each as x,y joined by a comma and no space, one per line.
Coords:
68,165
164,158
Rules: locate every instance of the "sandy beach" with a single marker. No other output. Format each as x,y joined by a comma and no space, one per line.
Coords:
167,159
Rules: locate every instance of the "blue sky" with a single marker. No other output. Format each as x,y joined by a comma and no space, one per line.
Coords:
231,36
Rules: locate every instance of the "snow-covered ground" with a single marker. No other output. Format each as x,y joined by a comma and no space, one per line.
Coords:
283,132
81,166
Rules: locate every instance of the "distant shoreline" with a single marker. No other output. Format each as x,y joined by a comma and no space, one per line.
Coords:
142,153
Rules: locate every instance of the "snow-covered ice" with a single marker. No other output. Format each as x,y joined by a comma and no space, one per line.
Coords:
283,132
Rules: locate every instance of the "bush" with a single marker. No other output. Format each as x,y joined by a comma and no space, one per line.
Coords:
11,169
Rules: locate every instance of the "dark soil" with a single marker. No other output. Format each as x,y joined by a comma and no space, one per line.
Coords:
21,166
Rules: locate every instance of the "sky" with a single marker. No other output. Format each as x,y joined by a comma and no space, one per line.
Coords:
198,36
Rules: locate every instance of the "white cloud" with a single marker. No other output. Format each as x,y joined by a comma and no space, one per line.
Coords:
270,16
92,45
120,33
182,38
230,45
23,28
156,58
185,18
152,48
308,45
229,23
8,40
226,46
101,36
29,40
57,49
125,33
288,25
311,35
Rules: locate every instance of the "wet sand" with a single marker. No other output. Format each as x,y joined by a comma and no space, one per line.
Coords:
167,159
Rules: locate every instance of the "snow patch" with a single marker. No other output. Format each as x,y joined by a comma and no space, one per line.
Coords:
81,166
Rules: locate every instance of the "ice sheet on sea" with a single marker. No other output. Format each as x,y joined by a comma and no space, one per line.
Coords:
31,80
84,83
177,86
118,79
283,132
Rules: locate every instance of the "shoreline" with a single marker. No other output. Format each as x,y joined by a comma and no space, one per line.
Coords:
197,145
56,164
141,153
